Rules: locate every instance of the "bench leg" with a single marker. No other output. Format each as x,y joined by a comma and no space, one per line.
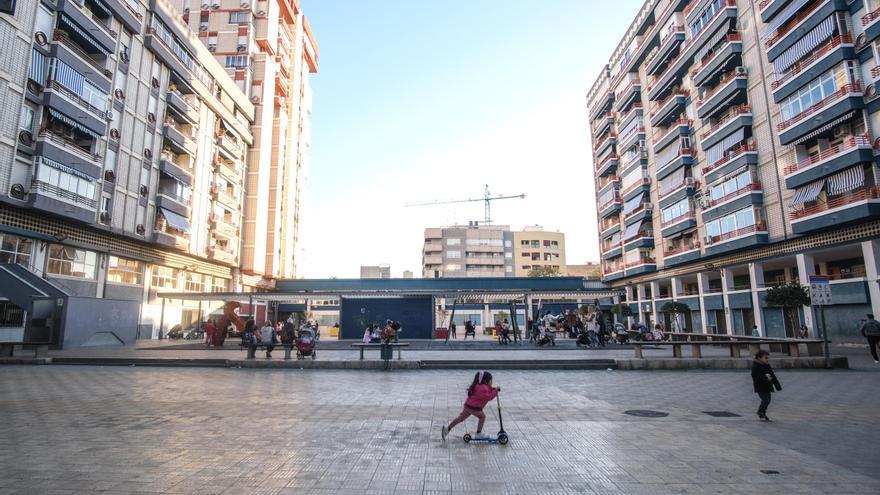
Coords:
287,353
41,351
252,352
398,354
814,350
676,350
794,349
638,350
6,350
362,353
754,348
696,351
734,350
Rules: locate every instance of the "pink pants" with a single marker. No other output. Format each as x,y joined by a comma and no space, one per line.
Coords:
469,411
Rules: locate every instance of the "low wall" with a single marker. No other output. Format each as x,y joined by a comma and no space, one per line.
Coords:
727,363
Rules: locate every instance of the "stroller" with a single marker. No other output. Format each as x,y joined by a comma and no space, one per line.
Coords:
305,343
546,337
587,338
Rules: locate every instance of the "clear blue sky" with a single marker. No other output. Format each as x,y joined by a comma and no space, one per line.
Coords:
420,100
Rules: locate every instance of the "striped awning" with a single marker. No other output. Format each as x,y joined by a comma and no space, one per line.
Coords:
668,154
806,193
67,23
781,17
804,46
632,230
615,238
671,181
38,67
68,77
710,45
716,152
65,169
846,180
177,222
824,128
633,203
55,114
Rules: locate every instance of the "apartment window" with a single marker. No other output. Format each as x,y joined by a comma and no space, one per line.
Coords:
508,269
508,255
242,17
730,185
508,243
453,241
731,223
453,254
705,16
71,262
814,92
536,256
65,183
453,267
548,256
524,243
546,243
106,201
237,61
26,121
526,254
554,244
536,244
675,211
193,282
125,271
164,277
220,285
14,249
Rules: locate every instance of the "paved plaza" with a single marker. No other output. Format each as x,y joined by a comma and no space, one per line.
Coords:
83,429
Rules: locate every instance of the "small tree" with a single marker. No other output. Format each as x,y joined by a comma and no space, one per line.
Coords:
789,297
545,271
677,309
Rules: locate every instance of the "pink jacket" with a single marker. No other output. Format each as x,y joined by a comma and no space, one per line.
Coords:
482,394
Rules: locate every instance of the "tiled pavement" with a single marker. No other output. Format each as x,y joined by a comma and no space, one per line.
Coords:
78,429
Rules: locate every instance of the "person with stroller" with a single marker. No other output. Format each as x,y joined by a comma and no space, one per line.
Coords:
479,394
470,329
505,332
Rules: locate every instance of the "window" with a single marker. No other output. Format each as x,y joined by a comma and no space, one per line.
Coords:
730,185
26,122
731,223
526,254
242,17
675,211
453,254
124,271
524,243
193,282
220,285
546,243
237,61
508,243
813,93
508,269
453,267
71,262
164,277
14,249
106,201
508,255
536,244
453,241
705,16
65,182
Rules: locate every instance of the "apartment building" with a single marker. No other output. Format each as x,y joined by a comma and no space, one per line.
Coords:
268,48
376,271
733,150
472,250
123,155
535,248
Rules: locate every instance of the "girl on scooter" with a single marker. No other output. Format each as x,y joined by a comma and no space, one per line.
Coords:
479,393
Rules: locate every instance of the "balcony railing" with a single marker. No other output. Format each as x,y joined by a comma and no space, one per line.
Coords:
816,55
861,194
56,86
638,129
605,181
601,122
60,36
721,84
68,145
612,270
601,143
746,148
681,218
688,181
612,156
630,85
634,108
855,87
710,57
642,207
790,25
56,191
870,17
644,181
758,227
675,94
614,199
754,186
734,113
173,195
852,142
682,249
643,261
668,36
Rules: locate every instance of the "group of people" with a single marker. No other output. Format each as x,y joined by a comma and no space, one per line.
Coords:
376,334
285,333
216,333
469,329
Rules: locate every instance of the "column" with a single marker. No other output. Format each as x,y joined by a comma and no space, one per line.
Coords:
101,277
702,287
641,294
677,288
727,286
871,253
655,292
756,278
806,267
630,298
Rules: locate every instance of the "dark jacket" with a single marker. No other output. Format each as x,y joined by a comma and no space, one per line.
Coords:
870,328
760,381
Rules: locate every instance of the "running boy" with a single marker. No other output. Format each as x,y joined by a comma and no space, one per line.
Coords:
764,381
479,393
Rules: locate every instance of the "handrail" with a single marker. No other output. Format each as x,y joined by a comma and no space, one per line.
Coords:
675,94
643,261
55,85
718,87
609,136
674,127
676,187
63,193
632,83
747,148
706,60
602,124
869,17
861,194
68,145
816,55
644,181
682,249
614,199
754,186
642,207
664,41
606,181
72,46
757,227
860,141
607,159
855,87
632,109
790,25
734,113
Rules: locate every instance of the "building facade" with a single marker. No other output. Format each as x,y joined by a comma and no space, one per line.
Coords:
376,271
535,248
122,157
268,48
733,150
589,270
471,250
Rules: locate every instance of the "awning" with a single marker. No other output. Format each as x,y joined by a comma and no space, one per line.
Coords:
176,221
633,203
68,77
174,175
781,17
846,180
67,23
630,127
805,45
716,152
806,193
55,114
668,154
66,169
710,45
824,128
38,67
671,181
632,230
100,7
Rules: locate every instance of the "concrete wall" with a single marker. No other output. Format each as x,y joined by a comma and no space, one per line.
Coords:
90,322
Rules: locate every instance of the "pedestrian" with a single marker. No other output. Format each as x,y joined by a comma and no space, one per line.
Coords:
498,329
368,334
390,333
267,338
764,381
479,394
210,329
871,331
452,332
803,332
505,332
755,331
249,336
469,328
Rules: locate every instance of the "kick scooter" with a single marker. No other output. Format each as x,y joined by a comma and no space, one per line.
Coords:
500,438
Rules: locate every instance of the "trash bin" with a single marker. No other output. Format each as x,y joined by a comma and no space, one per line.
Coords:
441,333
387,352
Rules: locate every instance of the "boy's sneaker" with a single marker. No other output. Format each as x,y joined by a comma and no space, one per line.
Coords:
443,432
765,419
481,436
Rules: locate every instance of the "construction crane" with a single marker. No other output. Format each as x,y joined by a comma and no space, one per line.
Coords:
487,198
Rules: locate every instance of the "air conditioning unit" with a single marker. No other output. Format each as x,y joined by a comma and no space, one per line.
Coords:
17,191
26,138
242,48
104,217
151,117
215,6
144,190
705,204
245,5
140,229
255,99
203,27
212,48
648,206
840,132
689,182
186,11
41,38
261,13
205,6
109,176
741,71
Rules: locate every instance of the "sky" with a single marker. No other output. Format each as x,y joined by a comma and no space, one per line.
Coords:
419,100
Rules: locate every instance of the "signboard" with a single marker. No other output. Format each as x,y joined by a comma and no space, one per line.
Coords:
820,291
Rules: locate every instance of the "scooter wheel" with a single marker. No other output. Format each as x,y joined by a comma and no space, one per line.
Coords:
502,439
466,438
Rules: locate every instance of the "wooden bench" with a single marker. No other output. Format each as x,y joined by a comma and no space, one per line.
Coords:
397,345
734,344
40,349
252,349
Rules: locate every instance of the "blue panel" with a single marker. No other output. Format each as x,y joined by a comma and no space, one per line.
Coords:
773,322
291,308
692,302
740,300
713,302
506,283
849,293
415,315
835,218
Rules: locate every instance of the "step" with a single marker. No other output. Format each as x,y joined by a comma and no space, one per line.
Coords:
544,364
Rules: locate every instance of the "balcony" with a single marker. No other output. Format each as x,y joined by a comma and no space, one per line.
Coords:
178,141
678,129
859,205
751,194
608,165
682,254
684,157
635,133
610,207
603,124
738,117
433,260
604,182
227,170
724,18
59,201
664,83
669,46
85,29
730,91
613,274
169,200
127,12
229,145
678,224
219,254
629,95
223,226
820,61
635,112
871,25
72,105
182,107
171,238
609,227
737,239
834,106
853,150
603,104
795,29
62,150
97,59
224,196
639,187
725,58
604,144
169,167
611,250
643,265
676,193
769,8
642,212
669,109
733,160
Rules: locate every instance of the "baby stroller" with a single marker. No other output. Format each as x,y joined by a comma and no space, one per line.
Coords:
620,334
546,337
305,344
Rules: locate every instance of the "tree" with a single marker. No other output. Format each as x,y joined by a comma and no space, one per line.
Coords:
677,309
789,297
545,271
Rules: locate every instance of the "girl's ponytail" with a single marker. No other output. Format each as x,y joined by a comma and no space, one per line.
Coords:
477,377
